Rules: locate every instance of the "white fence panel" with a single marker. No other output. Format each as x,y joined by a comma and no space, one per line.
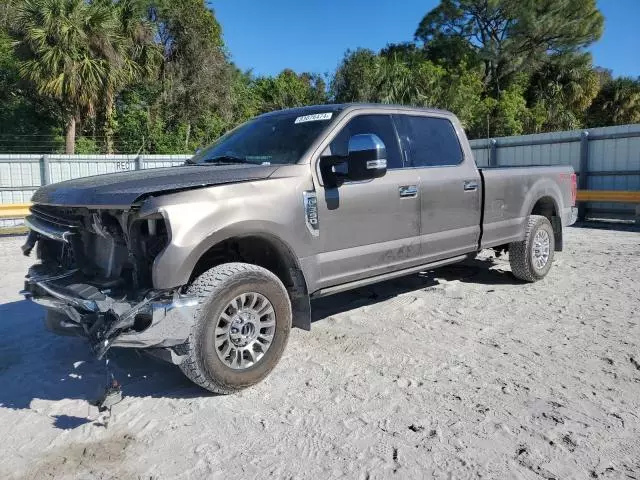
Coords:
610,157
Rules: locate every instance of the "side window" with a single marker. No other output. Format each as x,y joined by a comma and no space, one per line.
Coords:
380,125
429,141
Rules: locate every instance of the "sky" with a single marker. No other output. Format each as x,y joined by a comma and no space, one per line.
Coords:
313,35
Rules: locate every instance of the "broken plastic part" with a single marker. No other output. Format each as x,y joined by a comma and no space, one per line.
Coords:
112,396
32,238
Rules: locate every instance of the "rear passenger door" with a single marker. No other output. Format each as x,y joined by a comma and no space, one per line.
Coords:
450,185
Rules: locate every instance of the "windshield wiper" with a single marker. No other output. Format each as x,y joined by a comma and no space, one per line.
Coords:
225,159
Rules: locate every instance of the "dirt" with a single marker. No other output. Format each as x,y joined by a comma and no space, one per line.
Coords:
463,372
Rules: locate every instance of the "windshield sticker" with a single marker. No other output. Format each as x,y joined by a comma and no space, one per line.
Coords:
315,117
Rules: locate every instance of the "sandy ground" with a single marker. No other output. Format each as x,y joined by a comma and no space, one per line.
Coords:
459,373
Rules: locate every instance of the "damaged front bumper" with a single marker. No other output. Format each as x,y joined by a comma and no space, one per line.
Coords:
154,320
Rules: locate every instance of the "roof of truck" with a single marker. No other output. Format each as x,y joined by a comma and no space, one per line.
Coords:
336,107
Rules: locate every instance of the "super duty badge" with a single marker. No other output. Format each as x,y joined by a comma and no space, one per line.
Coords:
311,212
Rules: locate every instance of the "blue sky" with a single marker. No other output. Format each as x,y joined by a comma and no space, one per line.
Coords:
312,35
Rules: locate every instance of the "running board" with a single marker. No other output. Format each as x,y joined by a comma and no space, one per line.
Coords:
386,276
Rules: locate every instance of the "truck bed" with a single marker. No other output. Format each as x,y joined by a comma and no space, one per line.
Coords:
509,194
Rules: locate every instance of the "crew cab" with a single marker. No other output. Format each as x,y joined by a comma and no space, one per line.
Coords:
210,264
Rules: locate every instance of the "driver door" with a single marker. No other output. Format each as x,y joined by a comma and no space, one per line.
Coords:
371,227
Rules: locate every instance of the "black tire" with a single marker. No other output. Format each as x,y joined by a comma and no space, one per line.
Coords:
216,288
521,254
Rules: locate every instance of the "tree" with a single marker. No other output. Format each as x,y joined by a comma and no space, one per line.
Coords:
28,122
289,89
6,14
617,103
245,100
510,36
196,72
509,114
401,74
133,56
562,90
62,42
354,80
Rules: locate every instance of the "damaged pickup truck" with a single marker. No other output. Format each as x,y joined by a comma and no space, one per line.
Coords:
210,264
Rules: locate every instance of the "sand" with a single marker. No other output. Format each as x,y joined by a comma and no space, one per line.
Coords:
463,372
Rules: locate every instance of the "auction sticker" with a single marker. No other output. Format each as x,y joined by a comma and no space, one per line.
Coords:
315,117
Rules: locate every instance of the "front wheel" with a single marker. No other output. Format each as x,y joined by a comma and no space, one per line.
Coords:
531,258
241,327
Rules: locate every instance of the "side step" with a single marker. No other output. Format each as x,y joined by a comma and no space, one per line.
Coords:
386,276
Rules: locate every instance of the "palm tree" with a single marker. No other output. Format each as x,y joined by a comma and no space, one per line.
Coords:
564,87
618,103
64,42
408,81
133,55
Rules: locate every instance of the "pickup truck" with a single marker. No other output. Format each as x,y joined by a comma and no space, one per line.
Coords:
209,265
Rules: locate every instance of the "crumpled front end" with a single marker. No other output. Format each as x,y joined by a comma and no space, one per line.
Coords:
94,273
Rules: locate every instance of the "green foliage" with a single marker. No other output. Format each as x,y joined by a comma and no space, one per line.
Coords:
355,77
197,74
87,145
617,103
79,53
60,40
563,88
134,57
509,115
289,89
509,36
27,122
405,76
154,76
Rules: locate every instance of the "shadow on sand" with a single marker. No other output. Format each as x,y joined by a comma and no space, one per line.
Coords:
477,271
36,364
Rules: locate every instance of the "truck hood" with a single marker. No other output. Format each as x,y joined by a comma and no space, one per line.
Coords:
124,188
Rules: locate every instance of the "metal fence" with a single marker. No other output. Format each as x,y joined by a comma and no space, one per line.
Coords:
21,175
605,158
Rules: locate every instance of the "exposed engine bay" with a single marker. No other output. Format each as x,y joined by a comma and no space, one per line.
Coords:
94,276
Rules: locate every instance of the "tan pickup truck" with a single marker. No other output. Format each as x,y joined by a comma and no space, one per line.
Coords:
210,264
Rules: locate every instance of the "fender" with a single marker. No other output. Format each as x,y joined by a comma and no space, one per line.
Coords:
181,274
543,187
546,188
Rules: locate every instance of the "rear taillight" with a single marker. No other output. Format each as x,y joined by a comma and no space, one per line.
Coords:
574,189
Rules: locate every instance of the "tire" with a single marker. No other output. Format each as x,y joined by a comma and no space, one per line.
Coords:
525,256
205,362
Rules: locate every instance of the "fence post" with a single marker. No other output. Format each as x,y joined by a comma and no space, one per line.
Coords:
138,162
493,152
45,174
584,172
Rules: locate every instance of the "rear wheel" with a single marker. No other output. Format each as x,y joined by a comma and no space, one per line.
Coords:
241,327
531,258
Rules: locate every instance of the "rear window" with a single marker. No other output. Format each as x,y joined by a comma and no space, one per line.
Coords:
429,141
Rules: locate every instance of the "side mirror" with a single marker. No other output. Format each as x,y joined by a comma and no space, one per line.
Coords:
366,160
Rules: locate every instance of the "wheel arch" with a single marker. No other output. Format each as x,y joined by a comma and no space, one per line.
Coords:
268,251
547,206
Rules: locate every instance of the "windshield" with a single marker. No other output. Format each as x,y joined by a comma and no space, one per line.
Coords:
274,139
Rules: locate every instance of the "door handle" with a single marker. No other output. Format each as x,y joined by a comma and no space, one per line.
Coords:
470,186
408,191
